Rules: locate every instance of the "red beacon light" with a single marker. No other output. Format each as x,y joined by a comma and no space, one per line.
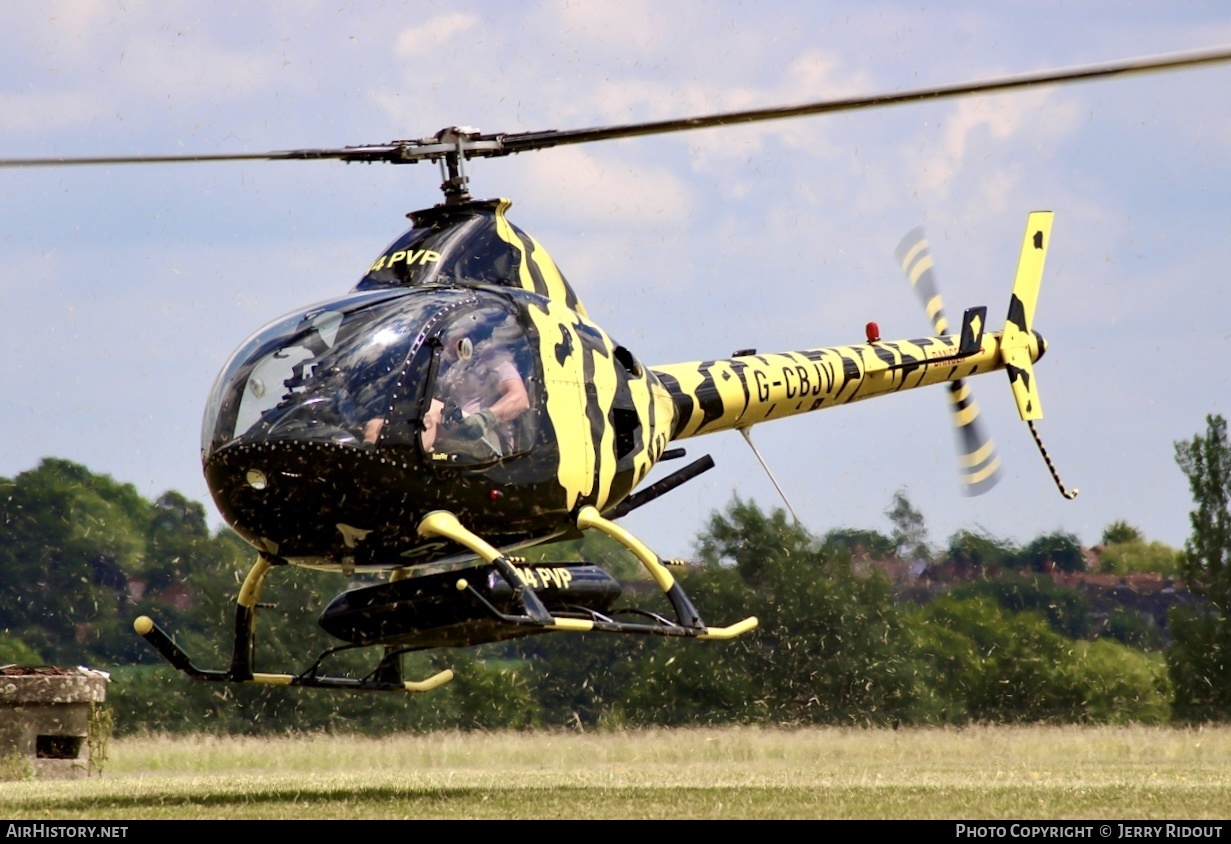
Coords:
874,332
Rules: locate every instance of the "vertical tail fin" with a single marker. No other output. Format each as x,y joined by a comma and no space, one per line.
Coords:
1020,347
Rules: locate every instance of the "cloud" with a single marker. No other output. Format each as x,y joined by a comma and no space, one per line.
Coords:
1040,116
607,188
149,68
420,42
30,112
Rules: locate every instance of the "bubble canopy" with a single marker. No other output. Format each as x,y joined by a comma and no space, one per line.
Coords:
323,373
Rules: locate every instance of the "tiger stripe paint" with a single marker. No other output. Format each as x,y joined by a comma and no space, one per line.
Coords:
1021,345
587,424
587,385
537,272
600,421
720,395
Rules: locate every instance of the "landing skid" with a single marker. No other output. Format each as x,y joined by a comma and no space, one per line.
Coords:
386,677
411,613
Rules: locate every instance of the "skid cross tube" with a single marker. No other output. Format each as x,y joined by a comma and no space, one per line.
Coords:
687,618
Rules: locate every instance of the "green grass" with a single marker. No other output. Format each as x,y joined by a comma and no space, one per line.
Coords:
1105,773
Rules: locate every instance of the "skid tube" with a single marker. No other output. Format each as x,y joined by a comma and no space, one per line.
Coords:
386,677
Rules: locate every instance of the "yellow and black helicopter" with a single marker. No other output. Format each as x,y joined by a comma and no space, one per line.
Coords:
459,405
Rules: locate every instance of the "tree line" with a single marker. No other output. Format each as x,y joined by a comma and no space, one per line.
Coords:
997,639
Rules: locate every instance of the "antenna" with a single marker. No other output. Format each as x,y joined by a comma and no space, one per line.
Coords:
748,439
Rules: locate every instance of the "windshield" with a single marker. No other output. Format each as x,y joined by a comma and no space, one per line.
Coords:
327,373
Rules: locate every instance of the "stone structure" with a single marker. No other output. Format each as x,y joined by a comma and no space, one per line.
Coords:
46,719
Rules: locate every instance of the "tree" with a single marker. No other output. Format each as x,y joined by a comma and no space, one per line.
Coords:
998,666
910,534
1200,659
975,552
829,648
1059,549
854,541
1121,531
1124,558
1067,610
69,541
746,538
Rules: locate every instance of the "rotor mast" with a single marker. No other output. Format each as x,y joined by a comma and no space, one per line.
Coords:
455,182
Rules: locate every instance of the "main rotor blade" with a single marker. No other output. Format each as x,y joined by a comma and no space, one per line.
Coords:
456,142
540,140
364,153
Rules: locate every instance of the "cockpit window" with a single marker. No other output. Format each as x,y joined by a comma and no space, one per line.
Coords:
328,373
484,390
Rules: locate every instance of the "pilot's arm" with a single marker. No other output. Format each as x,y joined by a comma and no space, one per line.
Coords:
431,423
513,401
483,425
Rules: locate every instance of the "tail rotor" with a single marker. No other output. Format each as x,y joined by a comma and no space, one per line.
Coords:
978,461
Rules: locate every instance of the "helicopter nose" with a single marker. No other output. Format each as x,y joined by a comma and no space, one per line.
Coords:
288,498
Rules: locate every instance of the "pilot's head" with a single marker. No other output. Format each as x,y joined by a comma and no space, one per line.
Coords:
468,335
458,345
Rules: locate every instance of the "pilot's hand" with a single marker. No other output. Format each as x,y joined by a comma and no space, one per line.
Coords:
479,425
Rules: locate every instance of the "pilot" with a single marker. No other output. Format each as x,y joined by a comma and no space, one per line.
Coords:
479,395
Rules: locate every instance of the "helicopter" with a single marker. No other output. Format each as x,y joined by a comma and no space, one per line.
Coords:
459,405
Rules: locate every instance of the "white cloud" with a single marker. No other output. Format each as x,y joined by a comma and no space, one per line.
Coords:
30,112
629,30
1039,116
607,188
420,42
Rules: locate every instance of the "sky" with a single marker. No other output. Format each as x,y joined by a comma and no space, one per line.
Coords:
126,288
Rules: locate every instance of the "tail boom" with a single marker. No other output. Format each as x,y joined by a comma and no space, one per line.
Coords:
739,392
747,389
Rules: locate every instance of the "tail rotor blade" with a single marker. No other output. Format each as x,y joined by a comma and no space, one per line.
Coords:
978,461
915,259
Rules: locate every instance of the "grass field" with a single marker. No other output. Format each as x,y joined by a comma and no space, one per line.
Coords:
1026,773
